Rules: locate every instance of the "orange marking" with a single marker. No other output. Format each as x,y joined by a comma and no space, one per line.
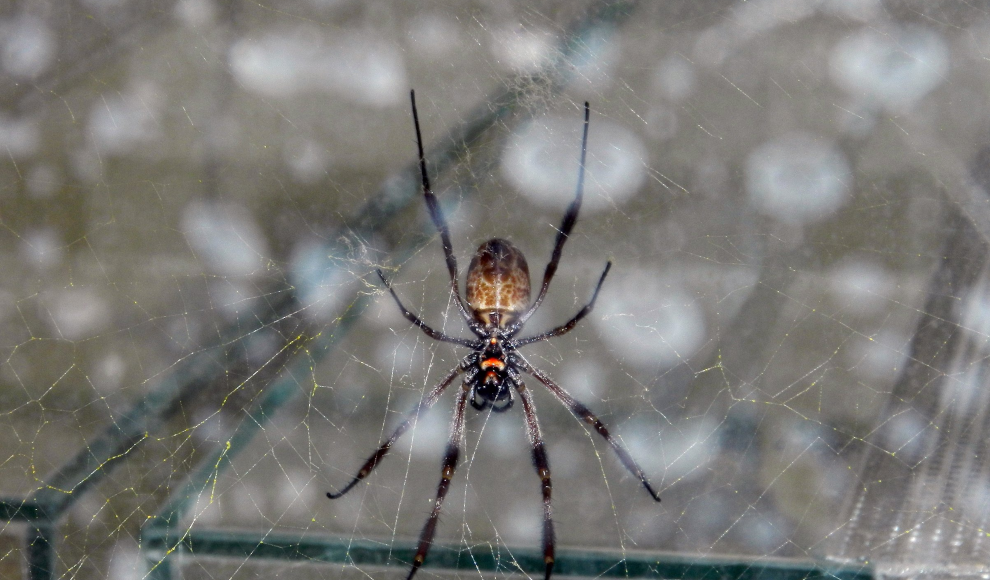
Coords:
492,362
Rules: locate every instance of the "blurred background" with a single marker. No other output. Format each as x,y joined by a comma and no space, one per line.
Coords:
195,194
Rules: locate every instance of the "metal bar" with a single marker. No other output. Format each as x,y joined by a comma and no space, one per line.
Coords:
570,562
40,554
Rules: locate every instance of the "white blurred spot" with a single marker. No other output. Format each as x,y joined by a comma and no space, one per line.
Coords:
226,237
504,437
183,331
27,48
891,69
296,493
706,519
762,531
584,378
399,355
196,13
542,158
977,498
749,20
959,394
862,10
678,452
43,180
523,50
247,500
230,297
307,160
118,122
211,426
18,137
78,313
904,435
797,179
762,16
126,562
880,358
567,458
520,524
224,134
594,61
8,305
322,284
977,318
87,165
262,345
110,371
856,119
675,78
206,509
326,4
429,435
41,248
351,385
661,122
861,287
434,34
648,322
356,66
104,5
712,46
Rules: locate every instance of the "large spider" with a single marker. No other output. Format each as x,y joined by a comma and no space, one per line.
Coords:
495,308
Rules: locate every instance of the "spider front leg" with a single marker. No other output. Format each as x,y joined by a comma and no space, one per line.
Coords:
447,472
570,218
542,465
436,214
434,334
582,412
570,324
384,448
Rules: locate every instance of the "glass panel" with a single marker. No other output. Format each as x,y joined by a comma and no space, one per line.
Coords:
789,341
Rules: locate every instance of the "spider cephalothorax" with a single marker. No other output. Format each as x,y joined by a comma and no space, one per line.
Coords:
495,307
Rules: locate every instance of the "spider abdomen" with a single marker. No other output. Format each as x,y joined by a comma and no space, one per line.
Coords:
498,283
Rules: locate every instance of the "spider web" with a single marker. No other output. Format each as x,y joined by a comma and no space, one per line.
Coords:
791,341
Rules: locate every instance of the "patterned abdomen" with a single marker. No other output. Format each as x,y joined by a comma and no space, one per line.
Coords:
498,283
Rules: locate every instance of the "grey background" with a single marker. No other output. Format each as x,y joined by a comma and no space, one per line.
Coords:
155,186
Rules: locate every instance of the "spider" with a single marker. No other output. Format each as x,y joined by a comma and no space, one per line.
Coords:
496,306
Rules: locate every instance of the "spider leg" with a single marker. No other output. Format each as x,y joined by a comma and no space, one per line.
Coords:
436,214
584,413
447,472
565,328
384,448
434,334
570,218
542,464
